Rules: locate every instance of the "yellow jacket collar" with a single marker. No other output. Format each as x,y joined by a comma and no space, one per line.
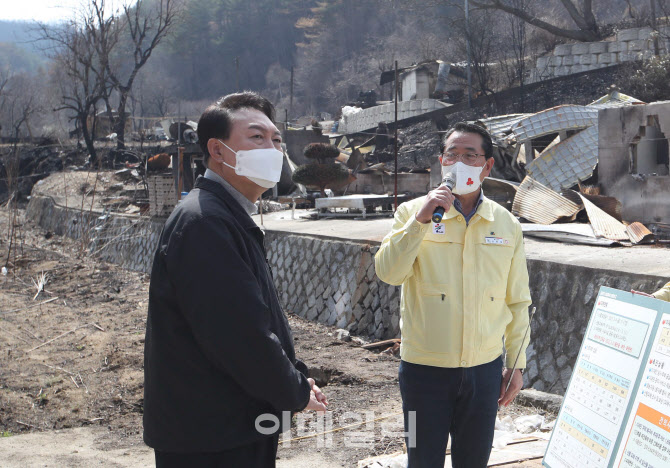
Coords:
485,210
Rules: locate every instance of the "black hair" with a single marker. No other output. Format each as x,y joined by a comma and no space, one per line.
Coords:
216,121
464,127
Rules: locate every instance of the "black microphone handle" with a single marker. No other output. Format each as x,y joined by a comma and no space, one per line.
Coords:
439,211
437,214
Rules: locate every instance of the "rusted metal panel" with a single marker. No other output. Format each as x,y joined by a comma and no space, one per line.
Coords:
609,205
638,232
500,191
603,224
539,204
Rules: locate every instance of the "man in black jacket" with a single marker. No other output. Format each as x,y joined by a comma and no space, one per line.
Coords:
219,362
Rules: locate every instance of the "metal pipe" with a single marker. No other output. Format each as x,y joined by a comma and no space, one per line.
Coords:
237,73
395,131
180,172
260,206
290,106
467,45
532,314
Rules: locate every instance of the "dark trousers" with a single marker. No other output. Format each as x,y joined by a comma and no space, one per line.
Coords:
260,454
461,402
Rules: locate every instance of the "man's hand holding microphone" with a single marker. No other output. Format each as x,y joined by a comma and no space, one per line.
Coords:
438,201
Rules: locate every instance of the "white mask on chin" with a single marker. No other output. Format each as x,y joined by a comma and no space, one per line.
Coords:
261,166
467,177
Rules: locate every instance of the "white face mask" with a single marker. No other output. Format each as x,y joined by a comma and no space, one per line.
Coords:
261,166
467,177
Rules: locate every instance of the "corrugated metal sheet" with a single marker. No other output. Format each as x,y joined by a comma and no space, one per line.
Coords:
500,191
603,224
501,125
568,162
638,232
573,233
609,205
541,205
554,120
615,99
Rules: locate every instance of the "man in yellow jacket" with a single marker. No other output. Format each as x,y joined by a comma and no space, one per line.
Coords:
663,293
464,287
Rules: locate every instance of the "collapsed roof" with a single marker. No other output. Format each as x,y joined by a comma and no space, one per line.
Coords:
568,161
570,157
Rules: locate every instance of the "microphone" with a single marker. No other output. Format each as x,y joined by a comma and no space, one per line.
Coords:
448,182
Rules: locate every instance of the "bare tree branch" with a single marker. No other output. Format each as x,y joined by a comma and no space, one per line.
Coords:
584,34
572,10
590,18
80,74
145,31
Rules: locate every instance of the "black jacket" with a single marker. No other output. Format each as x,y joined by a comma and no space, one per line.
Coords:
218,350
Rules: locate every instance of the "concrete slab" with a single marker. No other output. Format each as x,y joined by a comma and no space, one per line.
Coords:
83,447
369,230
86,447
519,454
516,453
649,260
309,460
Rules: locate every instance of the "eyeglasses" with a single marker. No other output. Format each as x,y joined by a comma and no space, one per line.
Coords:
468,158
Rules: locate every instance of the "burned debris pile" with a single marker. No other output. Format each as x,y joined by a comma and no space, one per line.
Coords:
546,171
558,149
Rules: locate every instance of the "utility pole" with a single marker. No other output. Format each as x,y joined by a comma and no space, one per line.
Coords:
652,5
237,73
179,173
290,107
395,149
467,43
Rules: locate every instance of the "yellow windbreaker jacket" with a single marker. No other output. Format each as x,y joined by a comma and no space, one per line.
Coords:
463,287
663,293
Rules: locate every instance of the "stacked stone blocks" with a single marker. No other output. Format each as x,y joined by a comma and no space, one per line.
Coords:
564,296
129,241
370,117
629,45
333,281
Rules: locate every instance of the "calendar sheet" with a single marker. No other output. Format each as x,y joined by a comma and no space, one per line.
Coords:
605,382
646,441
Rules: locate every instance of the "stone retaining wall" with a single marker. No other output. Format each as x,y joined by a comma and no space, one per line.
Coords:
129,241
629,45
333,281
565,295
370,117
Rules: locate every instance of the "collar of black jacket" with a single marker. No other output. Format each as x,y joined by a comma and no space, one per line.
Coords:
217,189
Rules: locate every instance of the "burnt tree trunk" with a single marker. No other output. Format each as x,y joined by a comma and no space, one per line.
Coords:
88,137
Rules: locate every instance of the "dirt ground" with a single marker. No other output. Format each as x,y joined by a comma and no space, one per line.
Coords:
71,369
